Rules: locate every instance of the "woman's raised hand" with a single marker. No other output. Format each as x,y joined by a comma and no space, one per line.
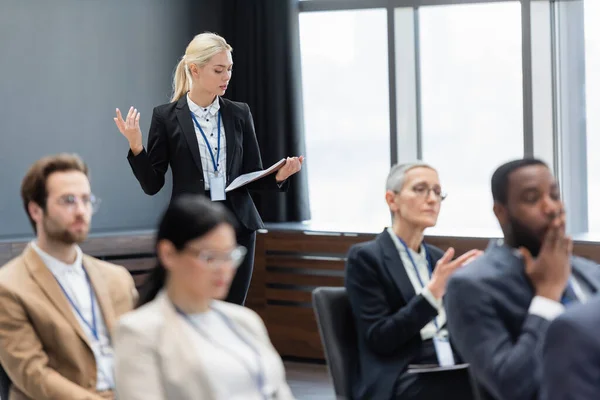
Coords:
130,128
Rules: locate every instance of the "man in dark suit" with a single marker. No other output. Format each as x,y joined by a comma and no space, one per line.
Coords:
395,285
571,369
500,306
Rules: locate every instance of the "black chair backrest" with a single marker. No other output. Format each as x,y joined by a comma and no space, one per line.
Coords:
4,384
338,335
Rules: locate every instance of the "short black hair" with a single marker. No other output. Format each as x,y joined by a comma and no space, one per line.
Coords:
502,174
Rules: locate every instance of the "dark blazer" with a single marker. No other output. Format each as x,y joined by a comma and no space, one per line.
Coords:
487,305
172,141
571,369
388,314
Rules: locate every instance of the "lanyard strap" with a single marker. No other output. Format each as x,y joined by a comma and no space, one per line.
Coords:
212,156
93,326
259,378
414,264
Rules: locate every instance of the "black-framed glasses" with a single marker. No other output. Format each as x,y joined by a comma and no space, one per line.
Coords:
70,202
215,259
424,191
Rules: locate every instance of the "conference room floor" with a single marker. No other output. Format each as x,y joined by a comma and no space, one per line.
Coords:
309,381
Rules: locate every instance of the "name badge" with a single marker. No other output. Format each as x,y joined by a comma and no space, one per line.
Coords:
217,187
443,350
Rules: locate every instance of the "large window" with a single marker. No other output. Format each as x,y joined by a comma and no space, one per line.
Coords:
346,109
466,85
472,104
592,91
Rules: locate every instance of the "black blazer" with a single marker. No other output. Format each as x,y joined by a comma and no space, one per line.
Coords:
172,141
487,303
389,315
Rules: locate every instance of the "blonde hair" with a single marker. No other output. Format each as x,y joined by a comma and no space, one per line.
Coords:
199,51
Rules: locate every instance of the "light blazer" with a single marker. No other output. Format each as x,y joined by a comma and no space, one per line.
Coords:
155,357
172,141
571,369
487,303
43,347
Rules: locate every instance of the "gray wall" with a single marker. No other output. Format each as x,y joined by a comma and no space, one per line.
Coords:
65,65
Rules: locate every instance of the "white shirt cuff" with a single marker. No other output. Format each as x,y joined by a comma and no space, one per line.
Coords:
437,304
545,308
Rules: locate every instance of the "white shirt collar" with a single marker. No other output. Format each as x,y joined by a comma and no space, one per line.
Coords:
422,252
59,268
212,109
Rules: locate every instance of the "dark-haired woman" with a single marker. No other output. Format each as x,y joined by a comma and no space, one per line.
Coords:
183,342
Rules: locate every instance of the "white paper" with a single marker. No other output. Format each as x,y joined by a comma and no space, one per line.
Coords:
254,176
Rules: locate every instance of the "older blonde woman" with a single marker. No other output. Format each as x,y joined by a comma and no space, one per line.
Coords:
395,285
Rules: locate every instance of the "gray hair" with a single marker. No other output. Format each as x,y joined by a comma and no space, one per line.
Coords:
397,175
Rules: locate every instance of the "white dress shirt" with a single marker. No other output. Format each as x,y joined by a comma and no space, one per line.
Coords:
422,264
207,117
73,279
233,365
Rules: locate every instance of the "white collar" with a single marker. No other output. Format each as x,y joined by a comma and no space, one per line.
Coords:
212,109
422,253
56,266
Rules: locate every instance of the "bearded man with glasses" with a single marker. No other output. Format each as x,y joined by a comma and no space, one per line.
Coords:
58,305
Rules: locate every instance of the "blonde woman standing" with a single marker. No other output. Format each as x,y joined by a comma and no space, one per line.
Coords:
208,141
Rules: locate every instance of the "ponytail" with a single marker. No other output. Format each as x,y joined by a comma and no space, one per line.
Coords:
180,81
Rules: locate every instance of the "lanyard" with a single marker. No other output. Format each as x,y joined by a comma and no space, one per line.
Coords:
259,378
212,156
93,326
414,264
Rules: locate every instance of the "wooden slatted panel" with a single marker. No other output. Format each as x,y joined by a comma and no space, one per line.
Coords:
286,261
304,280
289,295
136,264
308,243
5,253
105,246
294,332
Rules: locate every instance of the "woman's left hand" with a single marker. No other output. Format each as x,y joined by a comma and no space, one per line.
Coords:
292,166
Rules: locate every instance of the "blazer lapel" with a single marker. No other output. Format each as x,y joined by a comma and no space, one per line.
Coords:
48,284
187,126
183,370
102,292
230,134
395,267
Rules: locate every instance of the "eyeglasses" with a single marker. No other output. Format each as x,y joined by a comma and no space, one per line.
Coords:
70,201
214,259
423,191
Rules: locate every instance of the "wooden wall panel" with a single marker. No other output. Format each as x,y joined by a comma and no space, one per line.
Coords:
288,266
294,263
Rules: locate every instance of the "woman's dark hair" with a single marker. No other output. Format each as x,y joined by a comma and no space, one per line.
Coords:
187,218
